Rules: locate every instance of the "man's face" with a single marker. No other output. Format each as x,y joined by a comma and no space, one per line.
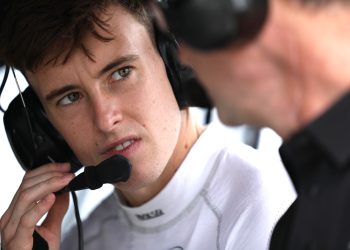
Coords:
119,103
240,82
248,83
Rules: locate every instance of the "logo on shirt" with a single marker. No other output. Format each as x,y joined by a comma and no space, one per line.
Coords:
151,215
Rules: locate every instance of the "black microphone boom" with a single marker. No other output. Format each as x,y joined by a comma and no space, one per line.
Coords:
114,169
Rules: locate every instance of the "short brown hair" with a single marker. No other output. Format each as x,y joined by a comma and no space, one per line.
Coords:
36,32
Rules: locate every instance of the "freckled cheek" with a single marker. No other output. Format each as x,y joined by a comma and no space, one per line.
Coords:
80,140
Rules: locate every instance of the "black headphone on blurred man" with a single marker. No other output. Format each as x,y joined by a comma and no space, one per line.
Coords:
211,24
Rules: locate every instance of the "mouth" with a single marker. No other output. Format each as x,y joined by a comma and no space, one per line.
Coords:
123,147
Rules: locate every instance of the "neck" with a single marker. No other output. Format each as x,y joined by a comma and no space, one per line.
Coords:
189,133
318,62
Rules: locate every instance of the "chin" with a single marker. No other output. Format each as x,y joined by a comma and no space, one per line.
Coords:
136,182
128,186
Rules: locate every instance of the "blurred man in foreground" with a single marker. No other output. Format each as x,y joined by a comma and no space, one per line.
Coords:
293,76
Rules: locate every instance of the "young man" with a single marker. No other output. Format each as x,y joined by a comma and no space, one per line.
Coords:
96,69
294,77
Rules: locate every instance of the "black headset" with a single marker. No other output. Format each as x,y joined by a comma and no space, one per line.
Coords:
186,88
35,141
211,24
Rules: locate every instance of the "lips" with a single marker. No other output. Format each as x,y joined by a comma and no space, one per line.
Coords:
124,145
121,147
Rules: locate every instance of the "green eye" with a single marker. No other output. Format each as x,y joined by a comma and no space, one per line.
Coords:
121,73
69,99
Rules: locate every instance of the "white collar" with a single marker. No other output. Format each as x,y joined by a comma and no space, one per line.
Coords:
182,190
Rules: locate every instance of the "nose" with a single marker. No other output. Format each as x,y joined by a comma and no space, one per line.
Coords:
107,112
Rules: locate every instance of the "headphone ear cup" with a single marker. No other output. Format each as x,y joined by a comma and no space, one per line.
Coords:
212,24
32,137
168,51
187,90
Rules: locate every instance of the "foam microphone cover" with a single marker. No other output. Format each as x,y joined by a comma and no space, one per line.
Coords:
114,169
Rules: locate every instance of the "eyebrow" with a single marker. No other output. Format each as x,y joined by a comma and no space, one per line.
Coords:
115,63
57,92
